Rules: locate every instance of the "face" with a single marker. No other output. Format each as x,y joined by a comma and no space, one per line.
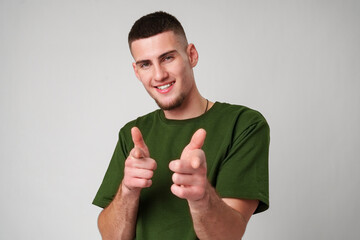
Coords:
164,64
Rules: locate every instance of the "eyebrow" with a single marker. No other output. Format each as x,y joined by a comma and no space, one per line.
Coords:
161,56
169,52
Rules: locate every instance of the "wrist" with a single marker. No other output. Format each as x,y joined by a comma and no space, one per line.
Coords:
131,192
203,203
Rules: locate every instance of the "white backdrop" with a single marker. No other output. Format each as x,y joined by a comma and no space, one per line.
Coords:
67,86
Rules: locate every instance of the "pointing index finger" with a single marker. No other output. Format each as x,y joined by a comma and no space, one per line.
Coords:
197,140
138,139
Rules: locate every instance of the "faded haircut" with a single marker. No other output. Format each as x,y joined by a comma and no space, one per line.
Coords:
153,24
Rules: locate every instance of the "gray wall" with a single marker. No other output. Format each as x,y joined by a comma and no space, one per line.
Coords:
67,86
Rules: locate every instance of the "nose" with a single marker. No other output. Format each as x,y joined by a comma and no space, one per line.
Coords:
160,73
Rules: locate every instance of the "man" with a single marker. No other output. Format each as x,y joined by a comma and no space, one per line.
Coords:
193,169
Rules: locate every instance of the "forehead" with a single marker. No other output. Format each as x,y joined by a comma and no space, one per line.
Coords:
153,47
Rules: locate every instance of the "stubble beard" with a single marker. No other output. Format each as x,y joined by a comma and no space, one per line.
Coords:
173,105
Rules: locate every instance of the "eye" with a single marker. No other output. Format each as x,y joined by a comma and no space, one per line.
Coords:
144,65
168,58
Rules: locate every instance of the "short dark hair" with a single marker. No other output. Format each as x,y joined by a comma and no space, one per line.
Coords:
153,24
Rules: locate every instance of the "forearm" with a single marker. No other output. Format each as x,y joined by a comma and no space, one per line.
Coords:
214,219
118,220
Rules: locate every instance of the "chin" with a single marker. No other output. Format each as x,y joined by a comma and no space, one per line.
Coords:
172,104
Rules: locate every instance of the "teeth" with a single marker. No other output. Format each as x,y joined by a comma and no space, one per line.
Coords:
165,86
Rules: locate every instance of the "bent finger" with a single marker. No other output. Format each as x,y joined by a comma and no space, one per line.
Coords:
138,173
187,192
137,183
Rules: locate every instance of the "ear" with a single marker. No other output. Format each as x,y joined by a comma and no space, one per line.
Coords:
192,54
136,71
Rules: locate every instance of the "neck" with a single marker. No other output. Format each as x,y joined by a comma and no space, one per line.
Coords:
190,108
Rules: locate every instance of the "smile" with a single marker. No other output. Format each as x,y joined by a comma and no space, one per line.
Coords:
166,86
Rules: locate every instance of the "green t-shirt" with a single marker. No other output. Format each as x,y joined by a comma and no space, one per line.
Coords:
236,149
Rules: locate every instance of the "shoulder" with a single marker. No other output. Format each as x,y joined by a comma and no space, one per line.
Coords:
240,112
240,120
141,122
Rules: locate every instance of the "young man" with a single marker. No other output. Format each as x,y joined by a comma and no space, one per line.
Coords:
193,169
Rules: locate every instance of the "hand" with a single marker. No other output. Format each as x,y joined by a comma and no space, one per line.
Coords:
139,167
190,180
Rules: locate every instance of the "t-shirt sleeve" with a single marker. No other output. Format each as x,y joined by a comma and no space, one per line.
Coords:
113,175
244,172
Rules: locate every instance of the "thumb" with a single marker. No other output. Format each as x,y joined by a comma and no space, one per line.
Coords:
138,140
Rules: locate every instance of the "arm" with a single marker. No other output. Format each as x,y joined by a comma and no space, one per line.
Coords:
213,217
216,218
118,220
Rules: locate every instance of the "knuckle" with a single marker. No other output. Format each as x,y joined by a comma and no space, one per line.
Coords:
132,152
128,162
155,164
128,172
137,153
152,164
